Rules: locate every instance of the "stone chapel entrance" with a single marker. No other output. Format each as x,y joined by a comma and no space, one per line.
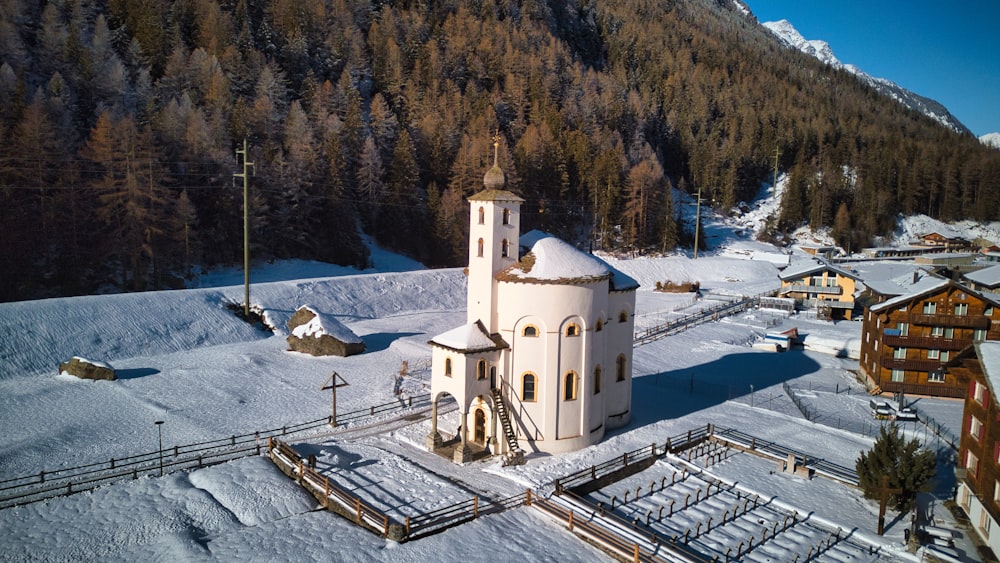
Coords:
479,428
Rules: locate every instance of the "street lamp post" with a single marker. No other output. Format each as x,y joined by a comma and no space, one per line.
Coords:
159,435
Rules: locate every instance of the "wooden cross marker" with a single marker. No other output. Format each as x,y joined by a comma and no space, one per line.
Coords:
886,491
332,383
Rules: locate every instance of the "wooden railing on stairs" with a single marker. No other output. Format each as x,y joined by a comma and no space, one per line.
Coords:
515,456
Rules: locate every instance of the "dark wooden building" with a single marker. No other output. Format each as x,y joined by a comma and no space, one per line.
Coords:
908,342
978,469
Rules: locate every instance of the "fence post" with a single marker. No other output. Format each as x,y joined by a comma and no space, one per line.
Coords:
570,520
357,504
112,463
41,476
527,500
475,506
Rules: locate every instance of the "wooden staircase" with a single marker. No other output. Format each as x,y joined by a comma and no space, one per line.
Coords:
514,455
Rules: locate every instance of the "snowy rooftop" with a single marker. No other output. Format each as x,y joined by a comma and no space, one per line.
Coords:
325,325
551,260
989,277
813,266
924,290
989,355
470,337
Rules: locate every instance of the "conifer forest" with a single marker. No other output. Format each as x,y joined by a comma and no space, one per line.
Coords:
120,121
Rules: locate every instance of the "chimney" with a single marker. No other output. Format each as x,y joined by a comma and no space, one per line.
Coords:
916,277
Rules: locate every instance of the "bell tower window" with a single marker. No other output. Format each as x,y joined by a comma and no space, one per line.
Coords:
506,216
505,248
482,216
479,248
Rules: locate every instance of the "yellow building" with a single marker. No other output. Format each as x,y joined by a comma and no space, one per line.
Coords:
821,286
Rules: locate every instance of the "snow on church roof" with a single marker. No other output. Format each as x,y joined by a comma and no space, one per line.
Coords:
552,260
471,337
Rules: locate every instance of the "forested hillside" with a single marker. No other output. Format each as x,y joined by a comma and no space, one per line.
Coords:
120,120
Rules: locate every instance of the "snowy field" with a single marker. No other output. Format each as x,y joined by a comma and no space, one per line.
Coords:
184,359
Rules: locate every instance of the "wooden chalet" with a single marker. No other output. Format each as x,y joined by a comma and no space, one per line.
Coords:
820,285
908,342
937,240
978,468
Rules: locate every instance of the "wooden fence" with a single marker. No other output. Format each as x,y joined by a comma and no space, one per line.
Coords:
332,497
595,533
341,502
70,480
621,466
52,483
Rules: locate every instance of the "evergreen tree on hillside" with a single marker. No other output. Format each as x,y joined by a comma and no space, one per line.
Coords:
908,467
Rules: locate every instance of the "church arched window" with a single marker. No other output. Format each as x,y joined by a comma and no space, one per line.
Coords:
482,216
597,379
599,325
505,248
572,329
447,367
569,386
531,331
528,382
623,317
479,251
620,365
506,216
481,369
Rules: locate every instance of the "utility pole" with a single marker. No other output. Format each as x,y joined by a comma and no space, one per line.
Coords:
774,185
697,223
246,227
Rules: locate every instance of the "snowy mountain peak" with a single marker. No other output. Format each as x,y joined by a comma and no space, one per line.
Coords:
821,50
816,47
991,140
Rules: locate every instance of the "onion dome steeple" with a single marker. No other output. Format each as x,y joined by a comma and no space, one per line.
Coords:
494,178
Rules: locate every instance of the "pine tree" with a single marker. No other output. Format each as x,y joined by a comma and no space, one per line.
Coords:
908,467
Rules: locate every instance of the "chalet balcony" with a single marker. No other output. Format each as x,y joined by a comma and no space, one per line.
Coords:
814,289
933,389
813,303
910,364
925,342
968,321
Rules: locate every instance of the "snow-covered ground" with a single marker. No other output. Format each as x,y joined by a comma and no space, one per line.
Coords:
185,359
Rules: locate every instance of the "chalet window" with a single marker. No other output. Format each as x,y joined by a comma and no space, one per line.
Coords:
528,388
937,331
572,329
623,317
988,311
904,329
569,386
903,308
996,491
620,368
897,375
481,370
936,376
949,332
447,367
482,216
531,331
899,353
979,393
933,354
971,463
979,335
976,428
961,309
597,379
506,216
505,248
930,308
945,356
985,520
479,248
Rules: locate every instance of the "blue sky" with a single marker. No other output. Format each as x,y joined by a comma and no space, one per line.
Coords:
948,52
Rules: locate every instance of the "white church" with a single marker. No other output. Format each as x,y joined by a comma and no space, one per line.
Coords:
544,361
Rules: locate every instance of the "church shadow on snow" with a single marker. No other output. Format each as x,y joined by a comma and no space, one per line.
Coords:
378,341
676,393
